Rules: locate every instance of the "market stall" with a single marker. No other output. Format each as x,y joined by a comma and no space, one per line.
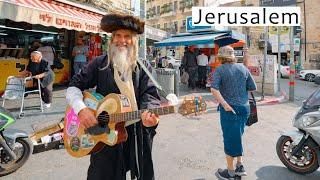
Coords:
25,24
209,43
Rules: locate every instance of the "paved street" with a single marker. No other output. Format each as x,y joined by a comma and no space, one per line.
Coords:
186,148
303,89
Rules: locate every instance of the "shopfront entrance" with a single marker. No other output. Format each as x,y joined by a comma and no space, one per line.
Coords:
27,25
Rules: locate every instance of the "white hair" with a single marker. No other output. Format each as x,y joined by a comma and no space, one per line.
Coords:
36,53
132,51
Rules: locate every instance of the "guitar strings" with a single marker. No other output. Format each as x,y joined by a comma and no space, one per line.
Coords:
119,116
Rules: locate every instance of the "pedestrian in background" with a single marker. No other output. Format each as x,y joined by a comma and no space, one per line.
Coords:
230,87
80,53
191,67
48,52
202,61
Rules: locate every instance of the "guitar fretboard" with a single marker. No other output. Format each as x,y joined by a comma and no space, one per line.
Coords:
121,117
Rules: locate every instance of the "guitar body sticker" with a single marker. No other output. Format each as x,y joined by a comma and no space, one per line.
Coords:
87,141
75,144
97,96
72,124
90,103
124,101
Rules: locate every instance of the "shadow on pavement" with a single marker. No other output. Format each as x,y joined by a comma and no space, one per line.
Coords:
278,172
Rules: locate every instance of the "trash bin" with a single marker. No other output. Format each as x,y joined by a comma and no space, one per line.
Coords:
165,77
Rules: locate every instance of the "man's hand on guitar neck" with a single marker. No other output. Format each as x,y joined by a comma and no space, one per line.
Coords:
149,120
87,118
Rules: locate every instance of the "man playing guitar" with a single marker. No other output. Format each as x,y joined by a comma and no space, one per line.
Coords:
118,72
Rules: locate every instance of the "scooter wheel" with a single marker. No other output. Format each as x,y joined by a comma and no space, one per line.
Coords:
297,164
22,158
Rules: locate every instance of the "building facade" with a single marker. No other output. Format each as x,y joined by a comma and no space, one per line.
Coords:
170,15
310,35
108,5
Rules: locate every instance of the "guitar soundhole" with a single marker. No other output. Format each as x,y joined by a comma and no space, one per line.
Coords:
102,127
103,119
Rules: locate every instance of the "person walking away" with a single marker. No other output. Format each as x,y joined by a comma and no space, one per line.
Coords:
202,61
80,53
230,87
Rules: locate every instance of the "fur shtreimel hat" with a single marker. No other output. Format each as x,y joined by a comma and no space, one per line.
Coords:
112,22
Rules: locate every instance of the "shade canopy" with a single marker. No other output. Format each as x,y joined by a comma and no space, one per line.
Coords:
221,38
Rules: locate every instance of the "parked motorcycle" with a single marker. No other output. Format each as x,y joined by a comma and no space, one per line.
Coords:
299,150
15,146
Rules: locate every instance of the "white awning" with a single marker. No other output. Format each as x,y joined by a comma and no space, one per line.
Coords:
50,13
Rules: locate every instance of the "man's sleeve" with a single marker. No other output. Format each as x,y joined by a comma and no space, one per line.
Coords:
216,79
251,85
149,97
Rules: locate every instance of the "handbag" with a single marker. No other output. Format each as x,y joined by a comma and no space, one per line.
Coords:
184,77
253,117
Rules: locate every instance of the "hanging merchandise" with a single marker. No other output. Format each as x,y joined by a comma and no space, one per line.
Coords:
95,47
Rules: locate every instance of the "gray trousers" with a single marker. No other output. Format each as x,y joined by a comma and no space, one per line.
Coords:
46,94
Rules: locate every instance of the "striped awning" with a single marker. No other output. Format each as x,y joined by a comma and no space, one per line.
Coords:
50,13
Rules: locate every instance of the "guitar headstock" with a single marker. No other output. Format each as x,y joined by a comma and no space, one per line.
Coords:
192,105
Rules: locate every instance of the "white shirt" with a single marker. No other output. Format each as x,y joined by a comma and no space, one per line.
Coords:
75,99
202,60
212,59
47,54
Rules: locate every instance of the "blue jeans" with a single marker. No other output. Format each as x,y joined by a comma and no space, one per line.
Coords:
232,126
77,66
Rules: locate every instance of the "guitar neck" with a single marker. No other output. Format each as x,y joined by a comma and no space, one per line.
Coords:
134,115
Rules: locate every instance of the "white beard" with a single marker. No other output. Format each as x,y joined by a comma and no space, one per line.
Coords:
122,59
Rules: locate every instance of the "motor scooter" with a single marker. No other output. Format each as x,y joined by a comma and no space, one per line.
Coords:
299,150
15,145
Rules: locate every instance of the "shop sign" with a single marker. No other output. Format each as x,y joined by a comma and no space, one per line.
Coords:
48,18
191,28
238,53
155,34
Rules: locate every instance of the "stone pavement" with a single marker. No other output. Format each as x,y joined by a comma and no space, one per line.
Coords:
34,117
185,148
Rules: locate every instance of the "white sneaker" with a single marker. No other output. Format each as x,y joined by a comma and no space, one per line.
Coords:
45,105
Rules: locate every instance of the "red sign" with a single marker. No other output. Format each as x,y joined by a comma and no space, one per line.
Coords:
71,24
254,70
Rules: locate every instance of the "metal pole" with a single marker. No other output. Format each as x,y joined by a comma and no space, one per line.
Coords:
292,67
279,60
264,59
305,31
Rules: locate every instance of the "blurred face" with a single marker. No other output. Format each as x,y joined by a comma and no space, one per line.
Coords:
121,49
80,42
36,58
122,38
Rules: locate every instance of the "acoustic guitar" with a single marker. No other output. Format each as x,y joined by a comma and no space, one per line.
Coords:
113,113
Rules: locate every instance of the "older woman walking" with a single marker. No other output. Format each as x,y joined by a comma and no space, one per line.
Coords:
230,87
